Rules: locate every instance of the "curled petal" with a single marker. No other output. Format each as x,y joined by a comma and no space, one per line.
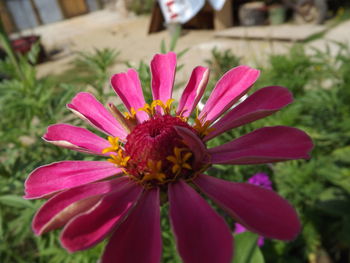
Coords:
193,91
260,104
59,176
201,234
140,232
194,144
91,227
229,89
163,68
265,145
75,138
128,87
258,209
57,211
88,108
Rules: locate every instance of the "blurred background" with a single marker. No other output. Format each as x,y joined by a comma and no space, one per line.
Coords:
52,49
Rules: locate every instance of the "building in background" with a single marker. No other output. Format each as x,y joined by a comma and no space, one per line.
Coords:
18,15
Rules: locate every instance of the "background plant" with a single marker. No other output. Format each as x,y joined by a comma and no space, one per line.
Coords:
318,188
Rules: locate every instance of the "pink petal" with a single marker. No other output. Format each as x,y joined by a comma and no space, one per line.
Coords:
59,176
233,85
258,209
265,145
193,91
56,212
91,110
201,234
128,87
75,138
138,239
196,146
90,228
260,104
163,68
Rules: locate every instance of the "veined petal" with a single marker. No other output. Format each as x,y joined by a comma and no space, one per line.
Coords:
75,138
258,209
265,145
202,236
163,68
59,176
57,211
229,89
128,87
88,108
91,227
194,144
193,91
138,239
260,104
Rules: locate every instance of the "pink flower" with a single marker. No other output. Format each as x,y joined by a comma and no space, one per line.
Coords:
154,153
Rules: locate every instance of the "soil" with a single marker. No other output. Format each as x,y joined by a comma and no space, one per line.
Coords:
129,35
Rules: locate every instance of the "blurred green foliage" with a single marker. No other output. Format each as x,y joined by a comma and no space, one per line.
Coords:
140,7
221,62
318,188
28,105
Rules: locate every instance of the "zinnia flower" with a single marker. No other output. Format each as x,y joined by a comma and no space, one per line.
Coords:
154,152
263,180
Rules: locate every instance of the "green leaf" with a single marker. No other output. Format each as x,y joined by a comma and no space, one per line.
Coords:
334,202
182,52
163,47
246,249
15,201
342,154
1,226
33,54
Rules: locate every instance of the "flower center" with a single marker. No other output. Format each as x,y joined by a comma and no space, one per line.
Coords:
154,154
157,153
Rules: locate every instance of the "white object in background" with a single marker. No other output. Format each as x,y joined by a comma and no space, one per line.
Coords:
180,11
217,4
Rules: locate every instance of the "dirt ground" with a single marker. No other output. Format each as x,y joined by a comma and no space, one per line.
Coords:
107,28
128,34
